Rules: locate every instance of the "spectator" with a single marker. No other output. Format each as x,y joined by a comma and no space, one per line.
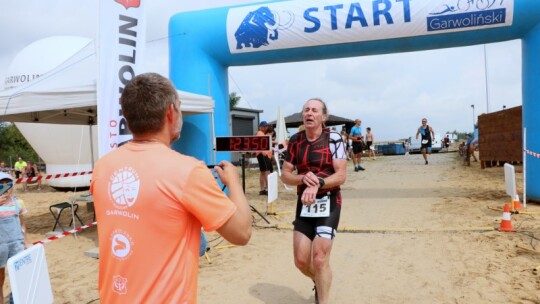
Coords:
20,164
13,237
357,144
469,150
345,138
31,170
446,142
151,212
462,149
265,163
407,146
370,139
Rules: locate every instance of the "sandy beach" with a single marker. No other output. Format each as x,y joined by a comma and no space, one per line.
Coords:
409,233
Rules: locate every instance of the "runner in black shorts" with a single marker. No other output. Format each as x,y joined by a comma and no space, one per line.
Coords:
319,226
427,135
320,159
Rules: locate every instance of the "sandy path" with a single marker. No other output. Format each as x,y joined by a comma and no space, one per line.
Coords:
417,250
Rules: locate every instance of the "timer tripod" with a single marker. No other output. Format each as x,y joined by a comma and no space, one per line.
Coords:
244,187
244,144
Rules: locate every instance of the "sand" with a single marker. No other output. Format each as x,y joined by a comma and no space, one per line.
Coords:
411,233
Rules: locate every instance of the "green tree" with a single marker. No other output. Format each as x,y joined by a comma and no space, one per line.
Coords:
234,99
13,144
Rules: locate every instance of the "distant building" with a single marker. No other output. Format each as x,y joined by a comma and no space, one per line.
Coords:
453,137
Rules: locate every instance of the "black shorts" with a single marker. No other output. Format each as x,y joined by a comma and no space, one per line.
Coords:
308,225
265,164
368,145
357,147
426,146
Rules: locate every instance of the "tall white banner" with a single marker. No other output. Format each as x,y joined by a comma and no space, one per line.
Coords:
122,38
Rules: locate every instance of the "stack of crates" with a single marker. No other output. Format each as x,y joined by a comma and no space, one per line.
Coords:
393,149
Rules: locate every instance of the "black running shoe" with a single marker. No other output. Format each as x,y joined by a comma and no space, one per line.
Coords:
361,168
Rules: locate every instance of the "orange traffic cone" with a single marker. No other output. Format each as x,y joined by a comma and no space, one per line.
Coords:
516,205
506,222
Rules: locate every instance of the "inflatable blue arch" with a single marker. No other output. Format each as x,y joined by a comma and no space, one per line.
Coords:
203,44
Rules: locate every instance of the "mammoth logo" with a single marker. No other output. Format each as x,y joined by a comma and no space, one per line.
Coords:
129,3
256,28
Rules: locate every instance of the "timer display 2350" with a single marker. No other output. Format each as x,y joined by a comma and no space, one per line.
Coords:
243,143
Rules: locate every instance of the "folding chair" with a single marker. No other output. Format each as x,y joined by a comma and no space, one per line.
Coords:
59,208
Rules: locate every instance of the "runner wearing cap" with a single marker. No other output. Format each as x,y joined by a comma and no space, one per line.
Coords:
265,163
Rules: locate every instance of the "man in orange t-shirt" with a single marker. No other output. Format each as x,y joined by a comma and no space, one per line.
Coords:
152,201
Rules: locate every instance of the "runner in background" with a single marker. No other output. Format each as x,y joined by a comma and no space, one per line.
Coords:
427,136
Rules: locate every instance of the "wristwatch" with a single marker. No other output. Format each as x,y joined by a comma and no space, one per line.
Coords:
321,182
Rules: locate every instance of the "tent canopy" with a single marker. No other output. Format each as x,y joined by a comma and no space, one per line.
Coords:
67,95
295,120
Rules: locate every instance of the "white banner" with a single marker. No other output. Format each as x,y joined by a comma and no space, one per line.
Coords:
122,38
304,23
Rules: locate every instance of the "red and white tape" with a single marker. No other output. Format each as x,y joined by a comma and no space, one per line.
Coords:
537,155
65,233
51,176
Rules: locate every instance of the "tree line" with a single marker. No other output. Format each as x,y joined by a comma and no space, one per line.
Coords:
13,144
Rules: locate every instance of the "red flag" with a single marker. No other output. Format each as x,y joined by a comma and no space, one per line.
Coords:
129,3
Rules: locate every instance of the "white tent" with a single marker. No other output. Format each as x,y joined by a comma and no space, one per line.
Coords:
67,95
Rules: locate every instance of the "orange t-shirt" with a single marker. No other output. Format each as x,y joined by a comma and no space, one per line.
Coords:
150,204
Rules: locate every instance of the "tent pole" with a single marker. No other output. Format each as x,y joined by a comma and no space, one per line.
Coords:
91,147
213,134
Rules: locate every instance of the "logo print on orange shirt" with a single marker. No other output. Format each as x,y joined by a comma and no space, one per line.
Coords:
121,244
124,187
119,284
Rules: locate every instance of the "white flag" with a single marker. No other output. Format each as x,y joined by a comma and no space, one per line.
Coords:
122,32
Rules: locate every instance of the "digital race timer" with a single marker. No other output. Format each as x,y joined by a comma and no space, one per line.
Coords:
243,143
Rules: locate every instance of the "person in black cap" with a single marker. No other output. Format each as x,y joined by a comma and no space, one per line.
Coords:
265,163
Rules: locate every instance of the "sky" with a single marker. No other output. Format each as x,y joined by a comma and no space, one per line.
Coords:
389,93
